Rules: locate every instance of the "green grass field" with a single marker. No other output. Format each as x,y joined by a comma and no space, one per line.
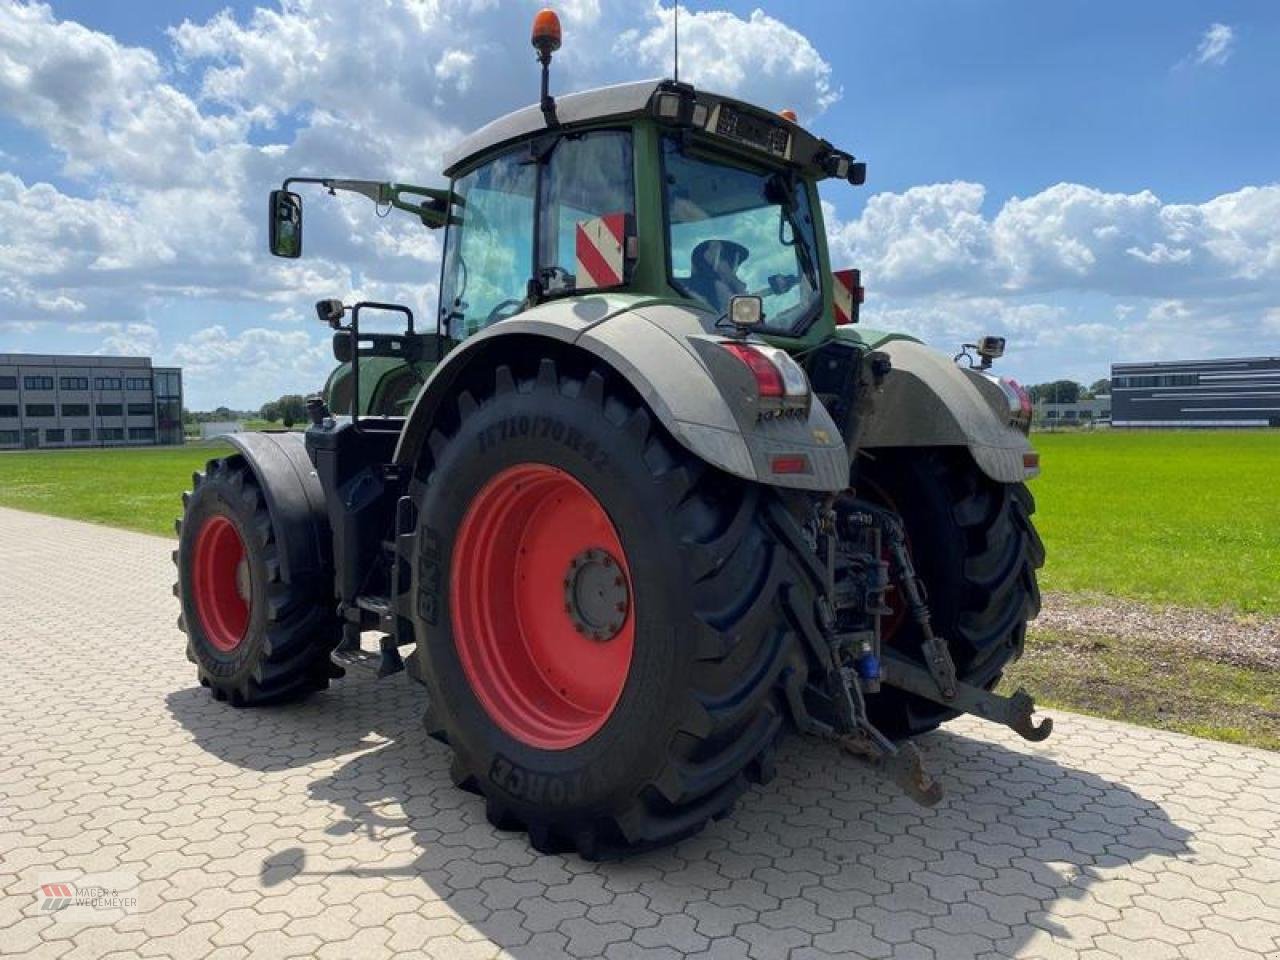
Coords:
1173,518
1187,518
137,488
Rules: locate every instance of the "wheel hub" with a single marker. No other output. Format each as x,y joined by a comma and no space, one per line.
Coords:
595,594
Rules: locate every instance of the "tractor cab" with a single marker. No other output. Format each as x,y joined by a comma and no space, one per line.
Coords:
647,192
652,189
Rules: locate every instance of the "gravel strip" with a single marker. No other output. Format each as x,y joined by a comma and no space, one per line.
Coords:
1243,640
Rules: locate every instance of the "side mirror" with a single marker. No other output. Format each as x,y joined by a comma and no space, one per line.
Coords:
285,224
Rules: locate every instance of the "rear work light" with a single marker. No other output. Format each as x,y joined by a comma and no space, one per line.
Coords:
780,383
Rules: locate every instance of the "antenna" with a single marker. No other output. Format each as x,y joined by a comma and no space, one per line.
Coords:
676,39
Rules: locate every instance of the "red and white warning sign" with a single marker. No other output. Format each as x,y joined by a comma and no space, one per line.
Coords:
599,251
846,293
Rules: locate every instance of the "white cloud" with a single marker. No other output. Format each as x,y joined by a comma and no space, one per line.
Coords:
1216,46
1068,237
105,106
759,59
264,363
170,153
1044,270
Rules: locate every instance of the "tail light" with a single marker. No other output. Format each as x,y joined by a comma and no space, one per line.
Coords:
780,382
1020,406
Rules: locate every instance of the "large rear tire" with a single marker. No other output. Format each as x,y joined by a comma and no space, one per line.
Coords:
973,543
607,684
255,637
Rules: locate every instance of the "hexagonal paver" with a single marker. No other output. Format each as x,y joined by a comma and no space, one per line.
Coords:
332,828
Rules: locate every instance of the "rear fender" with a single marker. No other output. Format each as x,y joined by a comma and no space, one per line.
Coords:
664,353
929,401
295,501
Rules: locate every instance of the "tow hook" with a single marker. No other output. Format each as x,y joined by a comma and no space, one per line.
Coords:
1014,712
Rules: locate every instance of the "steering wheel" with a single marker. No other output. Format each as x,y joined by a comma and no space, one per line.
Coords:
496,313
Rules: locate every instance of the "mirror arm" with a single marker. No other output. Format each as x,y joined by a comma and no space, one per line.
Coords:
433,209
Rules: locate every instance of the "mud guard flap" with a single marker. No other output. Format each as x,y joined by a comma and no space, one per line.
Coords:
295,500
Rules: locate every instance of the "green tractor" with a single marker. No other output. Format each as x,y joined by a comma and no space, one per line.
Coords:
645,498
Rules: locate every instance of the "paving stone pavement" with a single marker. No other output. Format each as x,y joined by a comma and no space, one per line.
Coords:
331,829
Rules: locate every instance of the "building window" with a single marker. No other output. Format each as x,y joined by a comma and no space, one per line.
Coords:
8,409
40,410
8,383
167,385
55,436
141,410
75,383
37,383
142,433
75,409
110,433
81,435
9,436
110,410
107,383
137,383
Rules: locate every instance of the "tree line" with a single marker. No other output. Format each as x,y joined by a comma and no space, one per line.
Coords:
1068,391
289,410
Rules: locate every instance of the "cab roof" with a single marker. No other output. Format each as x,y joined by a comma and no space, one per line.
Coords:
626,101
620,101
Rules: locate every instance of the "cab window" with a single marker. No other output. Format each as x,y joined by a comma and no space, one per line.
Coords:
490,246
587,176
733,231
489,258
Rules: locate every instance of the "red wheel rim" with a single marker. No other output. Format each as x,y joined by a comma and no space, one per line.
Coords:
221,583
541,606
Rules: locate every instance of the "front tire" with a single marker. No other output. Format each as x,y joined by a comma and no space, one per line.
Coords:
255,637
647,705
973,543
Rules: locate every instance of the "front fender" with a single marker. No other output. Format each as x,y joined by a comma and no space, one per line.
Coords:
929,401
661,350
295,501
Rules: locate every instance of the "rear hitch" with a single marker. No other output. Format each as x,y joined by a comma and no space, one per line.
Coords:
1014,712
939,682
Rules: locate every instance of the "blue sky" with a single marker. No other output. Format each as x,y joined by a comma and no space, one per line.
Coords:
1097,181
